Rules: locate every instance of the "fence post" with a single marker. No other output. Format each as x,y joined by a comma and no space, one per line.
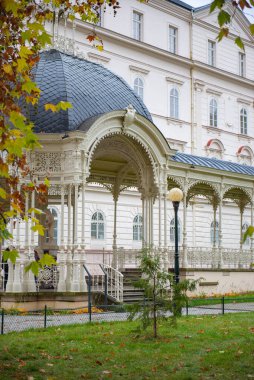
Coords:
45,316
89,293
2,322
187,307
223,305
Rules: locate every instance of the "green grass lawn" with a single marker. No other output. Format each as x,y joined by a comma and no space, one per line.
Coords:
210,347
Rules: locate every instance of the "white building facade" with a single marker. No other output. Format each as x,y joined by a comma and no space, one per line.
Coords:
200,96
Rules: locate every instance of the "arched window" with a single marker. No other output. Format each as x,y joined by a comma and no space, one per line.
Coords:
213,113
97,226
245,155
174,103
139,87
54,224
137,228
214,232
172,230
244,229
243,121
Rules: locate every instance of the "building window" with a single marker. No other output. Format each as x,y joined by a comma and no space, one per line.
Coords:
97,226
137,228
242,64
214,233
139,87
174,103
244,229
213,122
172,230
172,39
243,121
137,25
211,52
52,223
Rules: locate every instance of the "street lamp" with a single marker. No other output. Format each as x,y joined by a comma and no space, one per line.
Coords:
175,195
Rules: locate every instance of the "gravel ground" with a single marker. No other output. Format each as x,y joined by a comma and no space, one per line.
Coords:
33,321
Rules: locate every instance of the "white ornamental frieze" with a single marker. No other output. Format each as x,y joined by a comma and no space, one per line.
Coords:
49,162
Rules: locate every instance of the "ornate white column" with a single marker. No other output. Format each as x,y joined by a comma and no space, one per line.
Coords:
114,245
17,285
241,208
252,237
69,245
75,284
220,232
29,283
83,284
185,258
159,222
61,286
144,242
165,220
75,223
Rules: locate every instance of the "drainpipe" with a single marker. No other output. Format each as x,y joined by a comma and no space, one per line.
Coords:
192,85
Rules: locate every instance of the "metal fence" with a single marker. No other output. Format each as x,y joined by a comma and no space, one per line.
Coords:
20,319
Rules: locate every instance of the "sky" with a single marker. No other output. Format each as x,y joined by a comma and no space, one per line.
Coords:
199,3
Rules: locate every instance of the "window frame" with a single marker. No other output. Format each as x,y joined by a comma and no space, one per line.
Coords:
138,87
242,64
174,38
137,26
97,223
174,103
211,53
137,228
213,112
243,121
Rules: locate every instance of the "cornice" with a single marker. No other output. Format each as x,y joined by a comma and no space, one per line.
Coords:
100,57
244,101
222,73
213,92
138,69
219,131
174,81
158,52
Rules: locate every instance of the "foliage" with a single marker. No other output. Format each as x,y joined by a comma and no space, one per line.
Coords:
225,17
163,298
23,36
204,347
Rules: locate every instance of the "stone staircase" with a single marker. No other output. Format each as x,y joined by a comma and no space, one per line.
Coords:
130,293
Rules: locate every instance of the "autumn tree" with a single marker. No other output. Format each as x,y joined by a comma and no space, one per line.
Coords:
225,17
23,35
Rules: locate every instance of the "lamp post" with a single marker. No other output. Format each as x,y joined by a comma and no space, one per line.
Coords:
175,195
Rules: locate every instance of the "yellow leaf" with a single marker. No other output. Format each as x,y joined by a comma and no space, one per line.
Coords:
50,107
7,69
22,65
2,193
25,52
99,47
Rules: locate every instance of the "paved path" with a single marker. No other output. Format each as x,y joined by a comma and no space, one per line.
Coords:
24,322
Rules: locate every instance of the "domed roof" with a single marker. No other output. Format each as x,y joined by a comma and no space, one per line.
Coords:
90,88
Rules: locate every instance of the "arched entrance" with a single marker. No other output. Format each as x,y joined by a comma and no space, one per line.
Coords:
126,150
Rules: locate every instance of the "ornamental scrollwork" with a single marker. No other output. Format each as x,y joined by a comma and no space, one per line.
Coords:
49,162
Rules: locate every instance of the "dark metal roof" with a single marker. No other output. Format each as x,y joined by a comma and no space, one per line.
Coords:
213,163
181,4
90,88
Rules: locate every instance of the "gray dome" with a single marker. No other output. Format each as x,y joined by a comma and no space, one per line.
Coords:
90,88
